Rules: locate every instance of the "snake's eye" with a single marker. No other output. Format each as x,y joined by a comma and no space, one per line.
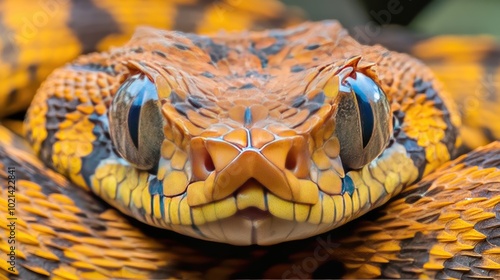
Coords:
363,121
136,123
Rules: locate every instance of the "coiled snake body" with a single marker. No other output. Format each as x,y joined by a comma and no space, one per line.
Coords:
252,138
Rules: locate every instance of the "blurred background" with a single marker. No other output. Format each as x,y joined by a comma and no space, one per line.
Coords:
428,17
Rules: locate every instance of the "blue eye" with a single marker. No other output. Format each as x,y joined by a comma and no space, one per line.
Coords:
363,121
136,122
145,91
367,93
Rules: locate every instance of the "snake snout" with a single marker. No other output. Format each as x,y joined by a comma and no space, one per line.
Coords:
221,168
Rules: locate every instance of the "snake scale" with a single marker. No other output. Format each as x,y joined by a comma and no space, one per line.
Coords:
243,138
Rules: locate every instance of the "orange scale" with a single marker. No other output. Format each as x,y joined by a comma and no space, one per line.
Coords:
208,113
260,137
332,147
199,120
297,119
192,130
330,182
290,112
321,160
85,109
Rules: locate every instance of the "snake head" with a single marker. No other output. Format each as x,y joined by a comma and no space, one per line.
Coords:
243,156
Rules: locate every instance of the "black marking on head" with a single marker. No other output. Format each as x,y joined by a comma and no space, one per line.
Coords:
251,73
276,47
260,55
248,116
102,147
195,101
216,51
175,98
312,107
182,47
207,74
255,74
299,101
399,116
318,98
91,32
297,68
312,47
247,86
138,50
183,108
159,53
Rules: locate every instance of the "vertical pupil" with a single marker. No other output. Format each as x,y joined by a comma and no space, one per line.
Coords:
365,109
143,90
133,119
366,114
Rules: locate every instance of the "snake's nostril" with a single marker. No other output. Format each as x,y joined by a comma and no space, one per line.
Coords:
298,158
201,161
291,160
209,164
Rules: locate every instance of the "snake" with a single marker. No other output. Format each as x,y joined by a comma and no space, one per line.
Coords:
261,145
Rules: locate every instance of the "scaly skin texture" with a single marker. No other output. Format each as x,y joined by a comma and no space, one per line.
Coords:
47,248
397,246
250,121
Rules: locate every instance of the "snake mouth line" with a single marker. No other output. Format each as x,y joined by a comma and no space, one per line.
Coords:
253,202
253,214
